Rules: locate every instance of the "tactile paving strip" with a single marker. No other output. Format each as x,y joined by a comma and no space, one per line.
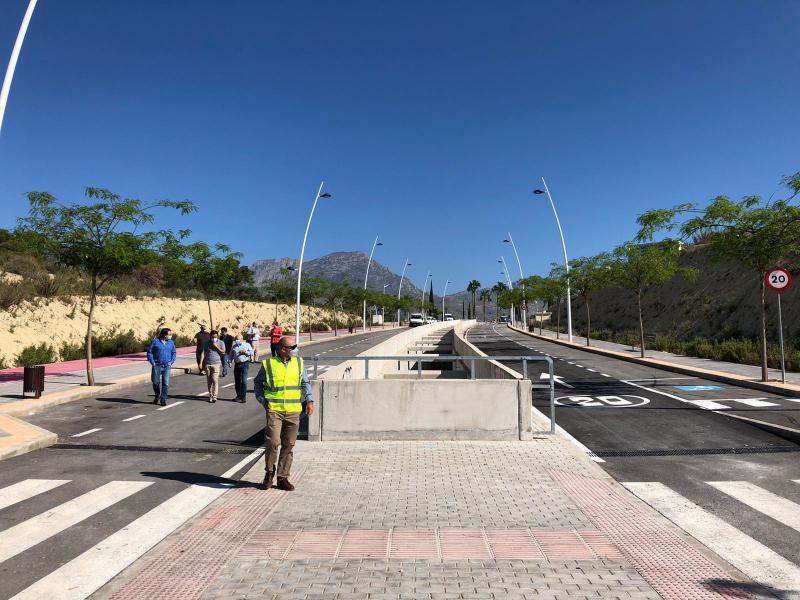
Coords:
674,568
184,569
444,544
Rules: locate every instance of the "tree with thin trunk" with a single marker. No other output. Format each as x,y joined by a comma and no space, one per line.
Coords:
757,235
587,275
101,238
637,267
212,269
486,294
498,289
472,287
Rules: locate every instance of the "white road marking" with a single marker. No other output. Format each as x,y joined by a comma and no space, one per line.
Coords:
662,378
592,370
792,399
709,405
756,402
782,510
133,418
667,394
35,530
87,432
27,489
168,406
556,379
227,385
748,555
604,375
85,574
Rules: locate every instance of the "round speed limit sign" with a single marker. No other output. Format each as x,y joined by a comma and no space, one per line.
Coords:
778,280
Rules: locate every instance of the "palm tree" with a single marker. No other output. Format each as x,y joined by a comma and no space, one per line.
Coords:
498,288
486,294
472,287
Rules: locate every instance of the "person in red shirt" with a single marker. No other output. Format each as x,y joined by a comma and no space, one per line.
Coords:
275,335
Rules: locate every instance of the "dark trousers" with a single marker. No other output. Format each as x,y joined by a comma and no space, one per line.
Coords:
274,348
240,371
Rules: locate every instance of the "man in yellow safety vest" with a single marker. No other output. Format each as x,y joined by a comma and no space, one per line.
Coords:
281,386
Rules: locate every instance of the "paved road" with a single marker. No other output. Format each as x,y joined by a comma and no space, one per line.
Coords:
664,436
120,457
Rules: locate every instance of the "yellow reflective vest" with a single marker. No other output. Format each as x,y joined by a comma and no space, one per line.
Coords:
282,391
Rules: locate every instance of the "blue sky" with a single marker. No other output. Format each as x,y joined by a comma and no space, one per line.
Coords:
429,122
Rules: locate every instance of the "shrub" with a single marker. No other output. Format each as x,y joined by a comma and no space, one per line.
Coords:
151,293
11,294
193,295
47,286
23,264
41,354
110,344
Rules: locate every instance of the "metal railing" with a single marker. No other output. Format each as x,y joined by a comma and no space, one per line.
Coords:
420,358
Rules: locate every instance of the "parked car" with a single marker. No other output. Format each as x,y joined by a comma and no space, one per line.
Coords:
505,319
415,319
429,319
448,317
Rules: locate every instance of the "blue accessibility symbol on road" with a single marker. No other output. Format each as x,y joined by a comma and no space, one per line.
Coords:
698,388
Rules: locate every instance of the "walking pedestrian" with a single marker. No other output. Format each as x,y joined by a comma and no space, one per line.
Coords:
253,337
213,355
281,386
241,352
161,355
201,339
227,339
275,335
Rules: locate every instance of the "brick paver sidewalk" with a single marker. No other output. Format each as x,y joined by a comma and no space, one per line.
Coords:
500,520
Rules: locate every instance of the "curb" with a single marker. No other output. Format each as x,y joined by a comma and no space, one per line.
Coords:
780,389
24,437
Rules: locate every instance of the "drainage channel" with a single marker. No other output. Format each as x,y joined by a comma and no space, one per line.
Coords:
697,451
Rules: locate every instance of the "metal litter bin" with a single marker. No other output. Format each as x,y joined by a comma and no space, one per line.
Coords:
33,380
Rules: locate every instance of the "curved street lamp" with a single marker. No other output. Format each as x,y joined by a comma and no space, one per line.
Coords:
12,62
566,260
422,304
369,262
510,285
444,295
399,288
510,240
300,265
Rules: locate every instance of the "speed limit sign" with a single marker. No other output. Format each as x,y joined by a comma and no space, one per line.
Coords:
778,280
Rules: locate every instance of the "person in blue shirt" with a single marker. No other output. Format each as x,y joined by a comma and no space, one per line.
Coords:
161,355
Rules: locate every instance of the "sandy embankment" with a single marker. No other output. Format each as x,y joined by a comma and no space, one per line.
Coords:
56,321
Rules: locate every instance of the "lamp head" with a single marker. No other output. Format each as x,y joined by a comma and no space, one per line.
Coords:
325,195
538,192
379,244
507,241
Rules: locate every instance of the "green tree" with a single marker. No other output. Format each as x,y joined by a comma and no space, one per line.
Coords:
498,289
755,234
213,270
472,287
485,294
101,238
587,275
638,267
431,303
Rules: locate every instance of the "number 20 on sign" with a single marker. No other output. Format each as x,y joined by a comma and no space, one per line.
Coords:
778,280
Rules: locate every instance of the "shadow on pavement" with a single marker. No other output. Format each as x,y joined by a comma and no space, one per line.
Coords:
741,589
203,479
254,441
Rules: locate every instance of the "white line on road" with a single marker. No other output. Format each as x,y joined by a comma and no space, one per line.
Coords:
227,385
35,530
87,432
746,554
710,405
662,378
592,370
168,406
782,510
755,402
133,418
85,574
27,489
605,375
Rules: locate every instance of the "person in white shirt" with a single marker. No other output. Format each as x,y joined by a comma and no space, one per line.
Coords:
253,336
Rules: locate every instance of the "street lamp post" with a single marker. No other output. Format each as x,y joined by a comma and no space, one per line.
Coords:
12,62
510,240
399,288
383,308
302,254
369,262
422,304
444,295
566,260
510,285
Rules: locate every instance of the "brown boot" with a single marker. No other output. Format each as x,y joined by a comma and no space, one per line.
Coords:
267,483
284,484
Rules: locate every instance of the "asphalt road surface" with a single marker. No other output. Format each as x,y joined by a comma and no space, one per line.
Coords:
668,439
121,459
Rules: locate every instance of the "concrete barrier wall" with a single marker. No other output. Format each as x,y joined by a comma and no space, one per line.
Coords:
484,369
422,410
395,345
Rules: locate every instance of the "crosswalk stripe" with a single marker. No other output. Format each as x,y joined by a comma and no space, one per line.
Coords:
751,557
27,489
85,574
757,402
764,501
709,404
27,534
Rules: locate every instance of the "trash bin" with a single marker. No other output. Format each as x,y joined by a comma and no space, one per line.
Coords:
33,380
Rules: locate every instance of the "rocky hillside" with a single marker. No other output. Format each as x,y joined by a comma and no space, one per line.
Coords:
340,267
722,302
